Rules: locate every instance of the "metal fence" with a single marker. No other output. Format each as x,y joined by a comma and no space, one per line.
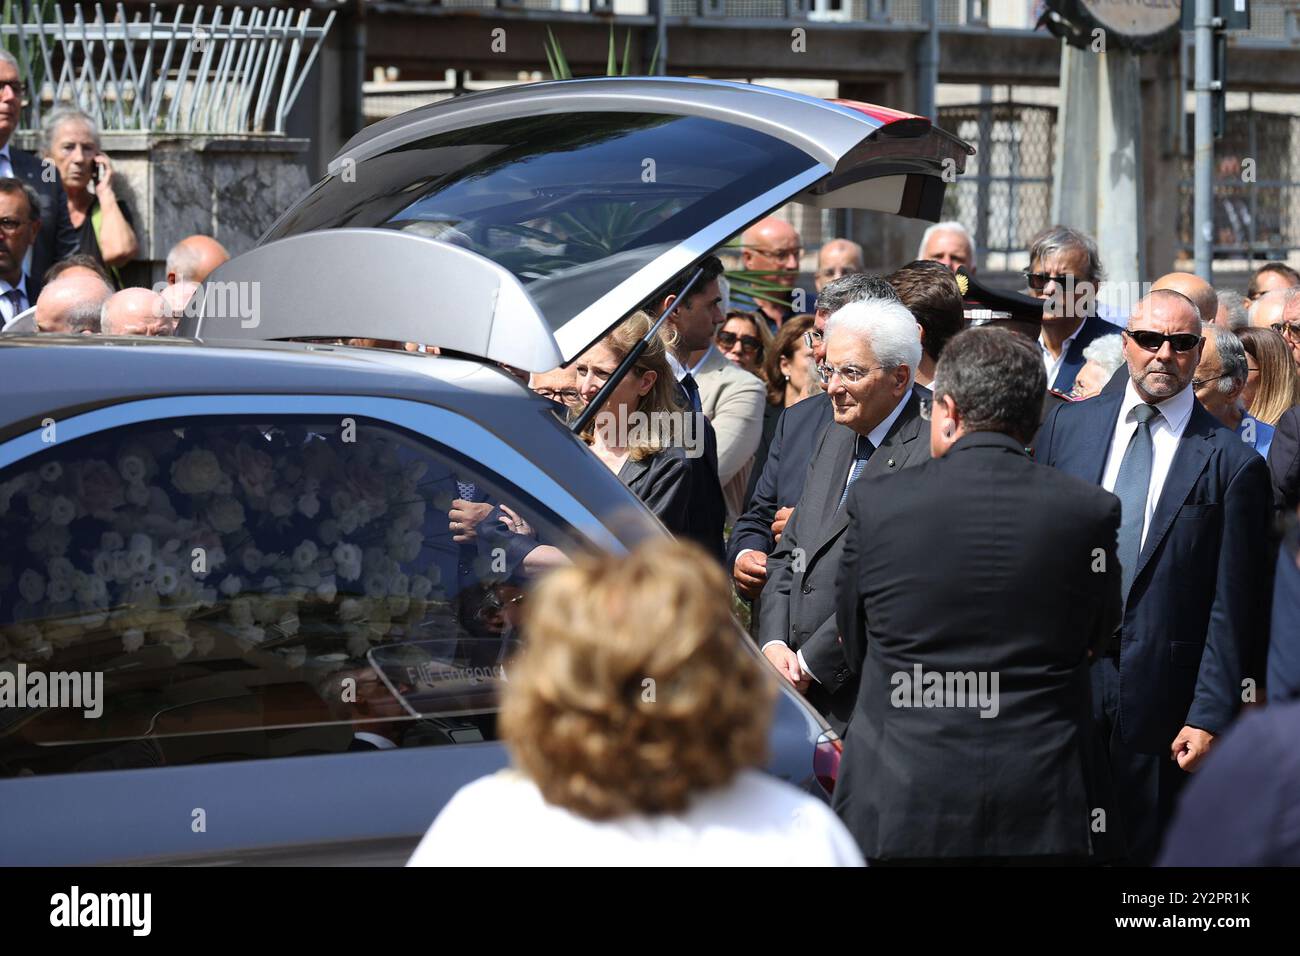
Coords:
235,70
1005,195
1256,188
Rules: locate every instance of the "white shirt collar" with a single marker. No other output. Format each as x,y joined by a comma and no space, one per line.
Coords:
1175,410
679,370
1065,346
22,284
878,434
4,151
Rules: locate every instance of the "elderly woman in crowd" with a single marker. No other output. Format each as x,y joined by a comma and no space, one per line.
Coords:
1101,358
103,222
744,340
636,722
1272,385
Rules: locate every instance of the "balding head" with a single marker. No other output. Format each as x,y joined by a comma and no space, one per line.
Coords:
136,312
772,243
1269,308
178,296
71,304
1164,372
1195,288
837,258
195,258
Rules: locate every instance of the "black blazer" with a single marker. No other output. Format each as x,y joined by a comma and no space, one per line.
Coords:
1093,327
57,239
1284,459
1198,606
981,561
799,599
666,483
781,481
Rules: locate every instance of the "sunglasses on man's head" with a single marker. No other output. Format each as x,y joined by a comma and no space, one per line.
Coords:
748,343
1154,341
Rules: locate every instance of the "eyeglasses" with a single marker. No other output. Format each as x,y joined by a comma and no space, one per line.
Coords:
778,254
16,87
1037,281
813,339
1289,330
13,225
849,374
566,396
1153,341
748,343
1198,382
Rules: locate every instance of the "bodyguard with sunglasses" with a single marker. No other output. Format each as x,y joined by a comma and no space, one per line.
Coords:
56,239
1192,552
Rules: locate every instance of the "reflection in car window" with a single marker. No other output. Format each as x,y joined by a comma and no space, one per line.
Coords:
572,205
259,589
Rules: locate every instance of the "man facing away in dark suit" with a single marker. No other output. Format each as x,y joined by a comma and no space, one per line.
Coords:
1193,550
872,351
971,596
1064,271
56,239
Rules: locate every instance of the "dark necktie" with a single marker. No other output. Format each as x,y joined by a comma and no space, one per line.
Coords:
15,296
692,391
1131,488
862,449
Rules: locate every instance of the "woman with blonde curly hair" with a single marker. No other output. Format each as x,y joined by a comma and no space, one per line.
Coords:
636,723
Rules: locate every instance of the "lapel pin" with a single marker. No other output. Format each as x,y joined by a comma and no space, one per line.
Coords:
891,463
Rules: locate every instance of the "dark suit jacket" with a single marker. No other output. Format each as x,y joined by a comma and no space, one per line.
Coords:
1242,808
781,481
1284,459
799,599
999,578
1199,595
57,239
1093,328
1284,639
666,483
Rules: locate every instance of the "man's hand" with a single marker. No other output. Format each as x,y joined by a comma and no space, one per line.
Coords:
786,662
464,517
750,574
1190,747
782,516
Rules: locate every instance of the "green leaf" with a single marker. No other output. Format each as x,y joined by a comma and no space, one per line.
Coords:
654,58
627,52
565,72
550,58
611,62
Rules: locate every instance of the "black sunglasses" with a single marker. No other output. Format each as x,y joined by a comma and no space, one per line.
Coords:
1038,280
1154,341
747,342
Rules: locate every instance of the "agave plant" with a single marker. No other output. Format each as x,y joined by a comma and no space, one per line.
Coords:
559,64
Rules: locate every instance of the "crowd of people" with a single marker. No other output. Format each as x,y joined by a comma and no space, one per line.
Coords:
1030,642
65,234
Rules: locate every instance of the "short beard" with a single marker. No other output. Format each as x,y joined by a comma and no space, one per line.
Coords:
1159,391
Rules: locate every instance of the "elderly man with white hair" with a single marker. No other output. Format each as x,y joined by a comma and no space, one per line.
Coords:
872,352
72,304
136,312
949,243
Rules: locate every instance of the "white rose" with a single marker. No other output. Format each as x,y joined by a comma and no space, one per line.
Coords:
270,583
40,506
230,585
58,590
197,472
308,505
62,511
31,585
281,505
350,609
61,568
420,587
166,581
140,561
132,640
51,471
226,515
137,494
327,590
305,555
251,559
132,468
376,584
341,501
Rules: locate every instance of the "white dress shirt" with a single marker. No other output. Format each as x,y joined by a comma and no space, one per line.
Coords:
1166,429
8,309
755,820
6,165
1053,365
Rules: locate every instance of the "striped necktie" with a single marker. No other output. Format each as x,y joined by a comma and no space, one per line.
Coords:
862,449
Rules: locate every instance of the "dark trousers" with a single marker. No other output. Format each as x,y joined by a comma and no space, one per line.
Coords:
1136,791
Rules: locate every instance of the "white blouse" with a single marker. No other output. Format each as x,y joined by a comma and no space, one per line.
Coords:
756,820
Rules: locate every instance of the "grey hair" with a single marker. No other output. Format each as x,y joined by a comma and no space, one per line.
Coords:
52,120
1232,356
853,288
181,260
7,57
951,225
1238,318
888,327
1057,239
996,379
1107,351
